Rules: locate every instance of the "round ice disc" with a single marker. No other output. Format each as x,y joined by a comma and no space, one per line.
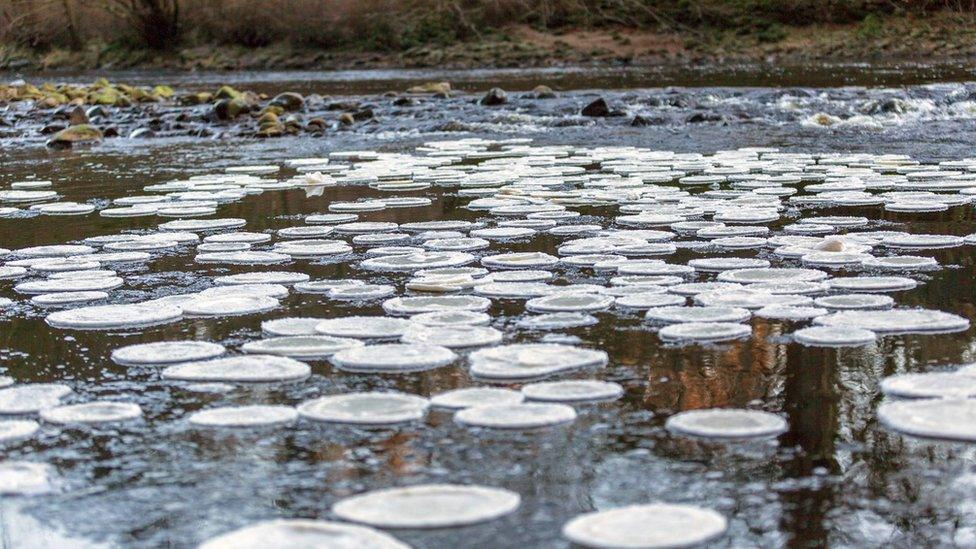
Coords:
307,347
393,358
575,390
428,506
477,396
244,416
930,385
18,429
370,409
704,332
646,526
92,412
108,317
516,416
941,418
304,533
364,327
291,326
166,352
244,369
727,423
27,399
531,360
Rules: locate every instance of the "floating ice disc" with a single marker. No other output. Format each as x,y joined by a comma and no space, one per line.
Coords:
704,331
414,305
291,326
531,360
364,327
245,369
308,347
92,412
477,396
646,526
166,352
428,506
697,314
26,399
106,317
373,409
393,358
516,416
574,390
453,337
897,321
304,533
942,418
26,478
931,385
727,423
229,306
19,429
244,416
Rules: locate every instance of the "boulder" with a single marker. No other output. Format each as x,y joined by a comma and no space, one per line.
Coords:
598,108
362,114
77,117
198,98
435,88
229,109
165,92
346,119
97,111
142,133
543,92
82,133
290,101
495,96
226,92
316,125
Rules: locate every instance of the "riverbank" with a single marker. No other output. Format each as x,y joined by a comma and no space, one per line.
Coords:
939,38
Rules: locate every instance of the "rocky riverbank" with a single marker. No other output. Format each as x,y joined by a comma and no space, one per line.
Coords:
936,38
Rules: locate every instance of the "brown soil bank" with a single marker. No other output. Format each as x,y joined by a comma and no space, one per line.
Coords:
918,37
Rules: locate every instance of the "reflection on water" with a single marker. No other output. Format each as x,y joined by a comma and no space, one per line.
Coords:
836,478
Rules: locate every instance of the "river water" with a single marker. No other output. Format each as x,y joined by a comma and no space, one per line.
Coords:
835,478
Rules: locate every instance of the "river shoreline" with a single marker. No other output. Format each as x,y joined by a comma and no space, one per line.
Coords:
939,39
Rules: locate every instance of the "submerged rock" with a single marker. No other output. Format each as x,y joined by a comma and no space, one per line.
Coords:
891,105
83,133
700,117
495,96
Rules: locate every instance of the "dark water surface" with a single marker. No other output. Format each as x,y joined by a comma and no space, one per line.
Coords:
836,478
